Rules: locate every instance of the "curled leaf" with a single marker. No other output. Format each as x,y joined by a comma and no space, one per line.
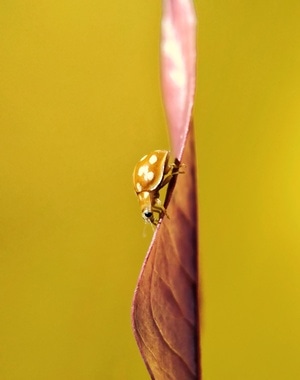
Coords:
165,305
178,76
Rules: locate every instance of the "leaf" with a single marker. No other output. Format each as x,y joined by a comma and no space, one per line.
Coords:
165,305
178,77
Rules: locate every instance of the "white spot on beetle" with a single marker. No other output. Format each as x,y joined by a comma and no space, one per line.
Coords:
149,176
143,170
138,187
153,159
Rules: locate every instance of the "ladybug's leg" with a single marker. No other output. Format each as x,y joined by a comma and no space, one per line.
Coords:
154,222
159,208
173,169
176,166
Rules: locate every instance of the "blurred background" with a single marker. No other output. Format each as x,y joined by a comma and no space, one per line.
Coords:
80,103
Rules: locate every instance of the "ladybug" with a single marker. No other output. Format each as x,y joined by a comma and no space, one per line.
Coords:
150,174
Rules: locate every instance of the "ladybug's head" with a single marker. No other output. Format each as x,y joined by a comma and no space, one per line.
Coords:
145,200
148,216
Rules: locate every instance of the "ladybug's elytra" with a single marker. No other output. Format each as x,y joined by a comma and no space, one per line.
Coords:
150,174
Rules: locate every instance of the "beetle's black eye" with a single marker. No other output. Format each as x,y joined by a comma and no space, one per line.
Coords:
148,214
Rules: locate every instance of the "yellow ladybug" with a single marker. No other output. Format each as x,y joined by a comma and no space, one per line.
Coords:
150,174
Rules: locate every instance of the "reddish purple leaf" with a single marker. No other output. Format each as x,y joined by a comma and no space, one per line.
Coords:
165,305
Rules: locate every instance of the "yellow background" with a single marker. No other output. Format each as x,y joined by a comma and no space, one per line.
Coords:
79,104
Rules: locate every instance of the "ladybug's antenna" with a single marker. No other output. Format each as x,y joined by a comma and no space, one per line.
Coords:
146,228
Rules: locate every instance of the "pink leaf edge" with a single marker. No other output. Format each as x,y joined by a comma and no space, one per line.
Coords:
178,74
